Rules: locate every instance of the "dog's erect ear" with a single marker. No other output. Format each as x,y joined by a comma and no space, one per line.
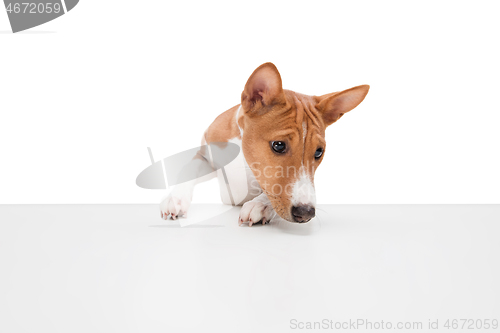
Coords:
333,106
263,88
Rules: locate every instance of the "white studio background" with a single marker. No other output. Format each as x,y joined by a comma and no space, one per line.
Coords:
80,104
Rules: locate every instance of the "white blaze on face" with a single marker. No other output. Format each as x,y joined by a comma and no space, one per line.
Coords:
303,192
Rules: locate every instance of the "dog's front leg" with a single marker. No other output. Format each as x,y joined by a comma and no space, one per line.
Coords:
178,201
257,210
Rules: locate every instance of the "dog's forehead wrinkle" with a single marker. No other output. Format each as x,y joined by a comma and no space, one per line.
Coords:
305,106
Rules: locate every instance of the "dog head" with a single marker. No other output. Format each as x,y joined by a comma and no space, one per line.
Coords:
284,138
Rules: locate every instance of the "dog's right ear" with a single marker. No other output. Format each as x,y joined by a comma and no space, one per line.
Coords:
263,88
335,105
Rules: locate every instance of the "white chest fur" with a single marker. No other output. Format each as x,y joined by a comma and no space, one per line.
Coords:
237,182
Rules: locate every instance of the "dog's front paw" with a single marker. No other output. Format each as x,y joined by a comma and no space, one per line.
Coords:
174,207
255,211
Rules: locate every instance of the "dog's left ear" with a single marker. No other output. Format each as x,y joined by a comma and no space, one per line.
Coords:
263,88
333,106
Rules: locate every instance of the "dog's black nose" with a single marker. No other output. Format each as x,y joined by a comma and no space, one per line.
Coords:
303,213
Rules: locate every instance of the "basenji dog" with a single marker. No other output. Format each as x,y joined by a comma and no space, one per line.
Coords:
281,134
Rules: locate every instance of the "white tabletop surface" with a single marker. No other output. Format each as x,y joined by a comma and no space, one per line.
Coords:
120,268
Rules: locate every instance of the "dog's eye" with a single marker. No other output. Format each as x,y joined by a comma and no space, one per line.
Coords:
318,153
278,146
